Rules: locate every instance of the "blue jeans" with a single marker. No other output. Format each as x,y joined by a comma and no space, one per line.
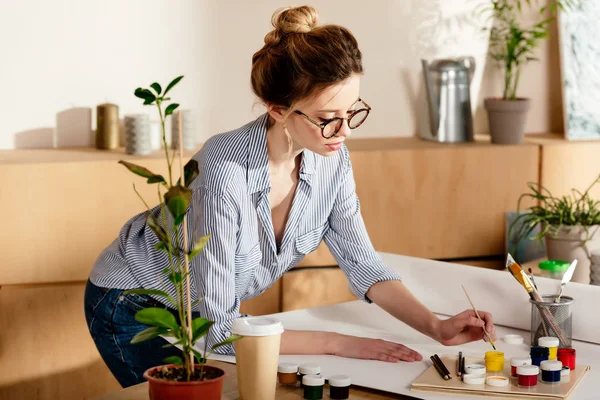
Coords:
110,317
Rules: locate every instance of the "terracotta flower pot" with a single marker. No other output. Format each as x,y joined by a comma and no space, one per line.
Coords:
161,389
567,245
506,119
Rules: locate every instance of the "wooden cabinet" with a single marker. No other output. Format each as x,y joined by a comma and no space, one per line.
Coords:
314,287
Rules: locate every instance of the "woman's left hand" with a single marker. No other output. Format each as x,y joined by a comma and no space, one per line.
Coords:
466,327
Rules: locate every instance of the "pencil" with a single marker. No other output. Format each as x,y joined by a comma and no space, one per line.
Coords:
459,364
438,368
442,366
477,313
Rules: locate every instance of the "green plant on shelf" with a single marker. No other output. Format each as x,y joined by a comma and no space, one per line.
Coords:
513,43
166,222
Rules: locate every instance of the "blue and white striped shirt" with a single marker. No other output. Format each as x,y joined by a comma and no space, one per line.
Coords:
241,260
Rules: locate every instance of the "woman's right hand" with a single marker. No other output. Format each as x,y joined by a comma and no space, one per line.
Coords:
372,349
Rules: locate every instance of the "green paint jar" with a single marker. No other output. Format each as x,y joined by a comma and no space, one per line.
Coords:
308,369
313,387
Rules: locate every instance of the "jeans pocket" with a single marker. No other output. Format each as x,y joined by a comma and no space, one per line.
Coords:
137,302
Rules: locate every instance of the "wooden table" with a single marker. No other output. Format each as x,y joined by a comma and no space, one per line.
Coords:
230,392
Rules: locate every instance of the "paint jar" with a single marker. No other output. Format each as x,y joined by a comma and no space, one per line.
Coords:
528,375
494,361
287,373
551,370
567,357
308,369
339,387
473,379
551,343
565,374
313,386
554,316
497,381
539,354
475,369
517,362
554,269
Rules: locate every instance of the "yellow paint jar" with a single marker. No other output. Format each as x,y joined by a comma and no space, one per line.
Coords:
551,343
494,361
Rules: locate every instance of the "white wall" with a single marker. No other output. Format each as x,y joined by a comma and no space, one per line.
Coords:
63,54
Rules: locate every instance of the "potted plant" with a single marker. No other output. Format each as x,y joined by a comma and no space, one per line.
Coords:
570,225
180,377
512,45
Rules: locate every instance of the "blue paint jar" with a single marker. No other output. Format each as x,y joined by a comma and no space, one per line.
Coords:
539,354
551,370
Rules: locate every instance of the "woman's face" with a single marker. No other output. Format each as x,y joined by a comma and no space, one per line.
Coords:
335,101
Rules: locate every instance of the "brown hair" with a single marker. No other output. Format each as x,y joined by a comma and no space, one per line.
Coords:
300,58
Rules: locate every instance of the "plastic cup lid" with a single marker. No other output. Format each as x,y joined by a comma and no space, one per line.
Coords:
554,265
513,339
473,379
310,369
547,341
313,380
528,370
551,365
497,381
518,361
257,326
340,381
287,368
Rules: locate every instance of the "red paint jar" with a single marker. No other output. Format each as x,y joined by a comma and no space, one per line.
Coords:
528,375
517,362
567,357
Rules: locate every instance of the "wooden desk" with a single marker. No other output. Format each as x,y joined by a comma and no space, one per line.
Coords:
230,392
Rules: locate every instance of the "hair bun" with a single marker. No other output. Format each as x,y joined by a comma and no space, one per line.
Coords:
295,19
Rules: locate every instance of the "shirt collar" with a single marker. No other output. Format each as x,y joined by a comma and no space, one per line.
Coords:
258,158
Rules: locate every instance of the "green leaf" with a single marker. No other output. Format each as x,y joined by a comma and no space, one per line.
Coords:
199,245
158,230
144,94
175,278
178,199
157,317
171,108
148,101
190,172
142,171
161,246
148,334
156,87
173,360
173,83
179,220
200,327
227,341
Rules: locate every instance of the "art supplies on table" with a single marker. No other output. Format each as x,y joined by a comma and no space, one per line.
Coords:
501,383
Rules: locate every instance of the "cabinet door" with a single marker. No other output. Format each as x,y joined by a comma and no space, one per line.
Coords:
442,202
47,351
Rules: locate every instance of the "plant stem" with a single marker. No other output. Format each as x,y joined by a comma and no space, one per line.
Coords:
516,83
507,79
186,248
164,138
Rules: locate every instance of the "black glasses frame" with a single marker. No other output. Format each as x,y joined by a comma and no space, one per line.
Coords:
340,121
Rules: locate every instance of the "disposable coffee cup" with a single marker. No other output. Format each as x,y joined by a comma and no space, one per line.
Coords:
257,356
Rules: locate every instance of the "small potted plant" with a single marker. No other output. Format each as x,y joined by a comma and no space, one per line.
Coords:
570,225
180,377
511,46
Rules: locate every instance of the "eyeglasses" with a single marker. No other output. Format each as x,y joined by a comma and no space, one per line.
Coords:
330,127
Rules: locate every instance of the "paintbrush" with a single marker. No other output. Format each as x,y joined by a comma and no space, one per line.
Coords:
532,280
521,277
478,316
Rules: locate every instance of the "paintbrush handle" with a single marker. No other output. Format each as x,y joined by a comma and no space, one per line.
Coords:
547,316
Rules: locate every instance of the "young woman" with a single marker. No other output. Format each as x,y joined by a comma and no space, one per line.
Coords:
269,193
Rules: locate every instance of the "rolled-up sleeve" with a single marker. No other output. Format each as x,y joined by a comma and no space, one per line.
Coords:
349,242
213,270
